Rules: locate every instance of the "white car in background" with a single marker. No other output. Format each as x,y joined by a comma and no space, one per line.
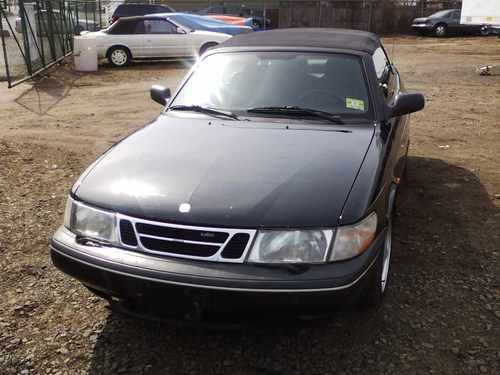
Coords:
150,37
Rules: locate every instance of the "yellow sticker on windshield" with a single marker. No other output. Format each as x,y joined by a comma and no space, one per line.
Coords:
352,103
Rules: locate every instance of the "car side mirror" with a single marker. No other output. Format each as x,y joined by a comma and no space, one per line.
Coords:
160,94
180,30
406,103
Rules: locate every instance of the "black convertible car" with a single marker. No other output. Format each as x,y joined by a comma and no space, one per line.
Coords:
268,182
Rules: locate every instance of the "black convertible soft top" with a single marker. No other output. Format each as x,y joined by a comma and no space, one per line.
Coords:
356,40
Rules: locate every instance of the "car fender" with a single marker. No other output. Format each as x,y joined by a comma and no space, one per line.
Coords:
369,185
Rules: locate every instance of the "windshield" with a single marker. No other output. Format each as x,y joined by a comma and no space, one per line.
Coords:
441,14
240,81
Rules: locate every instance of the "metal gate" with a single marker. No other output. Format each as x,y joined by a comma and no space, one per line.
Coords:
37,34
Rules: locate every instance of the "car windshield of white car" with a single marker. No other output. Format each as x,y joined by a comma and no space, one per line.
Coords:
332,83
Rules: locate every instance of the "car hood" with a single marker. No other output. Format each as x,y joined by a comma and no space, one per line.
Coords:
238,174
421,20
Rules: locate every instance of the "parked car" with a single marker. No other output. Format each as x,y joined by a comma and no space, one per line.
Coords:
268,182
131,10
492,29
256,16
153,36
55,21
195,22
445,22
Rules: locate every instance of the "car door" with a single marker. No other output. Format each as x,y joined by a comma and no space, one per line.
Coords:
454,24
128,33
164,40
396,129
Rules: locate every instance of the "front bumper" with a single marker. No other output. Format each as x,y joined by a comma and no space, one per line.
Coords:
170,285
421,27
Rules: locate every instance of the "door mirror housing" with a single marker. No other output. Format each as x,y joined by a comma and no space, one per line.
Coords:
406,103
180,30
160,94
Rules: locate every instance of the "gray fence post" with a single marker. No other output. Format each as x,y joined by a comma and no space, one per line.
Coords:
100,16
370,15
319,13
4,48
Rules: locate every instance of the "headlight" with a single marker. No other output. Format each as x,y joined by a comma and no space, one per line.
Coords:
90,222
352,240
291,246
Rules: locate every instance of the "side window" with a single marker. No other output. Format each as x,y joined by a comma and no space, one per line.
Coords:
159,27
380,61
139,28
124,27
387,78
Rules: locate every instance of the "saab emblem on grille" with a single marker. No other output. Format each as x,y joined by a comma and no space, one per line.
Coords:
184,208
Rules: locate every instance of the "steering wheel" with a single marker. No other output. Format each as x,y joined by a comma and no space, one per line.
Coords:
321,98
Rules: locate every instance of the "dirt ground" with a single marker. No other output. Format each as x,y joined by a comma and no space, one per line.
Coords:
442,311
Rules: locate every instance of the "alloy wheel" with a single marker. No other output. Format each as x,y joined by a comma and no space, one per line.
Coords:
119,57
441,30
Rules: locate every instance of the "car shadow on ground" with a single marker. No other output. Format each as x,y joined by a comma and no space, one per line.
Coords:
445,217
145,65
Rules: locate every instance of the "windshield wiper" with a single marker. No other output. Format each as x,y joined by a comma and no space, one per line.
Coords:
295,110
206,110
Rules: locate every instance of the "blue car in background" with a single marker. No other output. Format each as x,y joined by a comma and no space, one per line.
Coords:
195,22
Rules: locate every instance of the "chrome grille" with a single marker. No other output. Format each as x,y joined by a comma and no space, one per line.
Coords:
203,243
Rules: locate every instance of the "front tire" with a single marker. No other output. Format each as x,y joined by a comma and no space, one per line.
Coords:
374,292
376,288
485,31
119,56
440,30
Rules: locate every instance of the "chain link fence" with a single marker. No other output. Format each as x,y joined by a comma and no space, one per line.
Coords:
380,16
37,34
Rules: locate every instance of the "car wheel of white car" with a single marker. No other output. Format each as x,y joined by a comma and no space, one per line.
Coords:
119,56
204,48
